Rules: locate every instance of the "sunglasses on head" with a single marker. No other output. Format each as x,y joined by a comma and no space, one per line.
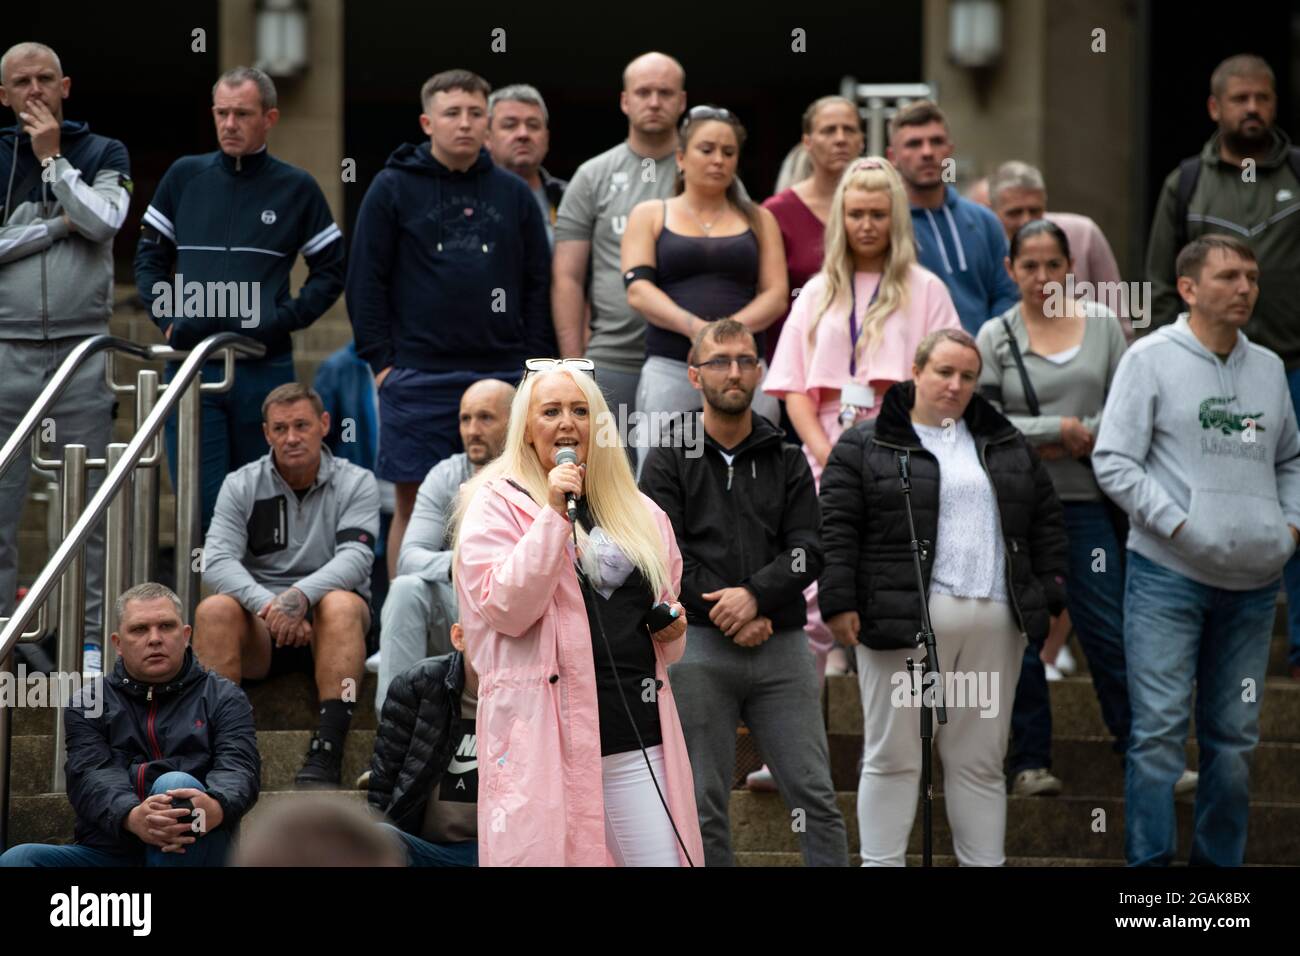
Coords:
697,113
546,364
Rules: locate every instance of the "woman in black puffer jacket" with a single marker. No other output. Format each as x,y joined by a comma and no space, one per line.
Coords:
993,555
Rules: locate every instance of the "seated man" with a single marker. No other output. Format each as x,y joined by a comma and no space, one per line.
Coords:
421,602
424,773
124,781
289,554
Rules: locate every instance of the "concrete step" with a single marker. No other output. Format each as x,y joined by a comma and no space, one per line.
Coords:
282,753
1075,712
287,702
1089,767
48,817
765,858
1063,827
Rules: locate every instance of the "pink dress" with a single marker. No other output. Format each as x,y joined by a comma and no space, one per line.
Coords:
540,799
821,369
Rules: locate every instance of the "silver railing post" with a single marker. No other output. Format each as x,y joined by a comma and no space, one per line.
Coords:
117,554
144,509
6,736
189,495
72,596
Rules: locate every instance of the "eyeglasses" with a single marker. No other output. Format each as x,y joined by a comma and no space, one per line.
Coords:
546,364
696,113
747,363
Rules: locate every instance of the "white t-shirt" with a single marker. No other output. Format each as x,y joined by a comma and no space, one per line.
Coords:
970,558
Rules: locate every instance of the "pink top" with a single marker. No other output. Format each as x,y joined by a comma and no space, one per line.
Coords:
821,369
540,798
803,235
1093,260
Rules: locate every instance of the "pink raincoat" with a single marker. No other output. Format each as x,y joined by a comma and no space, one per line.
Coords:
540,797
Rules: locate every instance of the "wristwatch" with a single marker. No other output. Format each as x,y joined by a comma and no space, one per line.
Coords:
50,160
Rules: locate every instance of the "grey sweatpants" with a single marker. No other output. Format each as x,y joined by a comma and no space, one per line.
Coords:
774,689
414,624
82,416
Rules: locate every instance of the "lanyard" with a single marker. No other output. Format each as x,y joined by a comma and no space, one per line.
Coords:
854,332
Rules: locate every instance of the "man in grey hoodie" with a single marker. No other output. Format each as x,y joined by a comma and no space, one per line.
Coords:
66,192
1199,445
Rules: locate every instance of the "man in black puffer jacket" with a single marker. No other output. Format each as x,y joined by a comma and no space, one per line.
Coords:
745,515
424,772
160,729
993,557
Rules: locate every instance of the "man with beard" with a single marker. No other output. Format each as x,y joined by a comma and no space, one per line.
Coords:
746,518
421,604
1245,182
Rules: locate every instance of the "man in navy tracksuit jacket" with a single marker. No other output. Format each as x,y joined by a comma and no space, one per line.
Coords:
218,241
449,283
959,241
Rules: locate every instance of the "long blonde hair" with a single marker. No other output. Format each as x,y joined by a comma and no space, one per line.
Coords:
874,175
609,487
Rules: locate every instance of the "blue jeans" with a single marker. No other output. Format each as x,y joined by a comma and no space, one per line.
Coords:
1095,600
1179,633
231,422
423,853
209,850
1291,573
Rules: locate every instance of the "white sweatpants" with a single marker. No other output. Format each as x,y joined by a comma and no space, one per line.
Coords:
979,640
637,830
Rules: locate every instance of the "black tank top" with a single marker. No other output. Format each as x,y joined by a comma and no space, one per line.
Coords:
711,278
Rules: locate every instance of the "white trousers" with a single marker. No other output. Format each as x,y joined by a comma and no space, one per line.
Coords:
980,649
637,830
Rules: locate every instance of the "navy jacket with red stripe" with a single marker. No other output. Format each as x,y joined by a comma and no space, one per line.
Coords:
199,723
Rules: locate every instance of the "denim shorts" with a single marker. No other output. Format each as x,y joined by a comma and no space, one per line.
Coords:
419,419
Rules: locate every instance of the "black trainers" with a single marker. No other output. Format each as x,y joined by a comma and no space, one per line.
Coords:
323,767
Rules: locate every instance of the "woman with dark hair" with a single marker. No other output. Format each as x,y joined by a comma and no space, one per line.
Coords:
1048,365
708,253
992,550
832,138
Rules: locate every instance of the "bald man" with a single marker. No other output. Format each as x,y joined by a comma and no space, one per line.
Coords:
65,193
590,222
421,604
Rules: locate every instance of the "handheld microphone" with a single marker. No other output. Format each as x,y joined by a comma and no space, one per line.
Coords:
567,456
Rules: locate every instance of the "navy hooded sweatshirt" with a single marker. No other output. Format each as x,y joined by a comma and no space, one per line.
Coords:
450,271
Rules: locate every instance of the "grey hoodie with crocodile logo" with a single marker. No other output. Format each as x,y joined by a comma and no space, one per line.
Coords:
1188,436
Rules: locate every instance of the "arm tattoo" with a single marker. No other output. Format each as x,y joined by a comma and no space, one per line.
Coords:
291,603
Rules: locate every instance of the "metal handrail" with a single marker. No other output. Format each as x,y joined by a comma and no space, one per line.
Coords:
13,445
118,476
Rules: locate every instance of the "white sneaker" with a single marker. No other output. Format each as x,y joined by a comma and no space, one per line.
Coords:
1186,785
837,662
1065,663
1038,782
1053,673
92,659
372,663
761,780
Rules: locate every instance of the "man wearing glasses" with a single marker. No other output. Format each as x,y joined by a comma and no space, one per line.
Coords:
746,518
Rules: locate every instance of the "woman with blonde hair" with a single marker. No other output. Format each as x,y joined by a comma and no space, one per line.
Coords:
581,756
856,325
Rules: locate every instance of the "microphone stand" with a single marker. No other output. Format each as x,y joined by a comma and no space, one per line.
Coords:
931,689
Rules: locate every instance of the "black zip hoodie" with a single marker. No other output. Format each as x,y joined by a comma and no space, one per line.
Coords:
450,270
752,523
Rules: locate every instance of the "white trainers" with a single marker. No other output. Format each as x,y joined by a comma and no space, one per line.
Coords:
1038,782
761,780
1186,785
1065,663
372,663
1053,672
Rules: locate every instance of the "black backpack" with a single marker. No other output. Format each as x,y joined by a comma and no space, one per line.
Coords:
1189,171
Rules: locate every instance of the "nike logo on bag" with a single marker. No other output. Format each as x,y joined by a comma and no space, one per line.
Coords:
457,766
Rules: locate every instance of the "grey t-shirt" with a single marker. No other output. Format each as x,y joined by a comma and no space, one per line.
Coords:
1075,388
595,209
